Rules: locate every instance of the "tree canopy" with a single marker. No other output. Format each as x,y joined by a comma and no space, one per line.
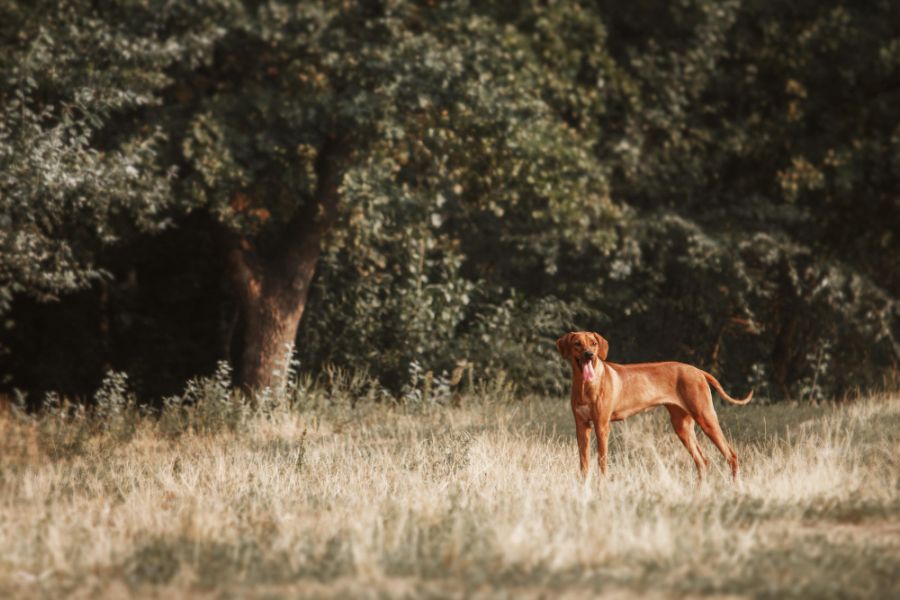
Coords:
407,186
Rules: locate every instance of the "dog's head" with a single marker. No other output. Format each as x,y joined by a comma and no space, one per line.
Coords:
582,349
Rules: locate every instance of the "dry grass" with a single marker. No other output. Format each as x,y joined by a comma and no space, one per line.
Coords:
476,501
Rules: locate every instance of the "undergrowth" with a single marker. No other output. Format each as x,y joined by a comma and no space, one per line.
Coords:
334,488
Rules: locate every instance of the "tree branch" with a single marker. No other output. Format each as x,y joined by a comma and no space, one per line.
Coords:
243,263
307,229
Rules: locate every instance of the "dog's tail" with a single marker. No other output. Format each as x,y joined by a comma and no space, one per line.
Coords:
715,383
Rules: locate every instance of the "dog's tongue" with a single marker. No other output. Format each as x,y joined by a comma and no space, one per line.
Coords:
587,371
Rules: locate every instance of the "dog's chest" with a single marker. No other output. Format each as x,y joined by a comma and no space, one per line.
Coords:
583,411
583,400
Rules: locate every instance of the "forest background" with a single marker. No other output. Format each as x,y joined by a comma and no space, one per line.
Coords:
437,190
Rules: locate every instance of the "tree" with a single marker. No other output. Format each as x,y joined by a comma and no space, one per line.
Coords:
757,139
67,185
322,112
293,126
419,179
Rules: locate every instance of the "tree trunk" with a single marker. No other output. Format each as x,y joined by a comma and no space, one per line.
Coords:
270,326
272,290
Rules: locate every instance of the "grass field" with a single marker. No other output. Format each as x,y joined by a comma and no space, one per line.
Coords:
478,500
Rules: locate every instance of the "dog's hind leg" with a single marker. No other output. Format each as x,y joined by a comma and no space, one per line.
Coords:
699,449
709,423
697,400
683,424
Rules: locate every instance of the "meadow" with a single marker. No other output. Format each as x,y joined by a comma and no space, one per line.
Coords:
327,493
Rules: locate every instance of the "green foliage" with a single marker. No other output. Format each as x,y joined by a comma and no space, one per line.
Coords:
65,429
206,406
516,340
69,181
701,180
742,120
435,102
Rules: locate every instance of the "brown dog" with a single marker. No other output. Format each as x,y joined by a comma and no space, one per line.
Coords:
604,392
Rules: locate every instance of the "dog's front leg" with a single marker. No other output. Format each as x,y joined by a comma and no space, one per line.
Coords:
583,434
601,426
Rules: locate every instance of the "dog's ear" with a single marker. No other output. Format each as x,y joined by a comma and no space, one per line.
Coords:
563,344
604,345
